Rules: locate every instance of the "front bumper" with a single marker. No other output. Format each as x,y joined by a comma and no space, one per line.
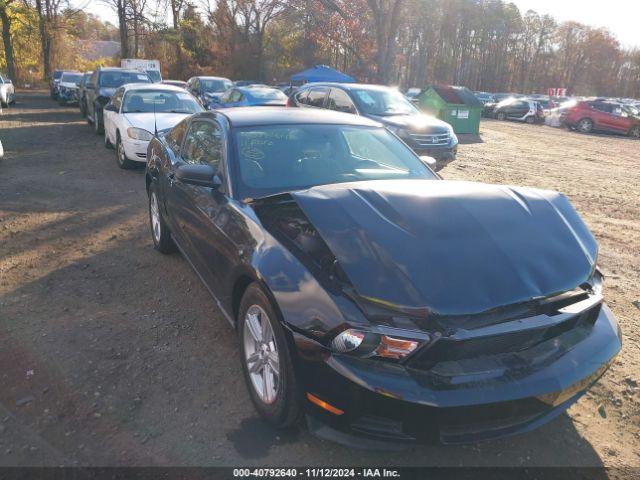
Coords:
514,394
442,155
68,96
136,150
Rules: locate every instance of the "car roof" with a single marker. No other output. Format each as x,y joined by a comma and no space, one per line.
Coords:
252,116
253,88
349,86
153,86
209,77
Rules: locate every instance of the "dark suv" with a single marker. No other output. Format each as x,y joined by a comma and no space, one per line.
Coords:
425,134
100,88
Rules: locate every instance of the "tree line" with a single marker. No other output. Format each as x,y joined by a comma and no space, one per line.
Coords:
483,44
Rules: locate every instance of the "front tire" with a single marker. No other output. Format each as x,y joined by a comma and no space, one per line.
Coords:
121,156
501,116
635,132
585,125
530,120
160,232
266,360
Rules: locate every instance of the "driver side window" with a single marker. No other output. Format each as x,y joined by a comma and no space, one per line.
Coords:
203,144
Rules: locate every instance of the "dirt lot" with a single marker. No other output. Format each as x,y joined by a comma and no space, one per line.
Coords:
111,355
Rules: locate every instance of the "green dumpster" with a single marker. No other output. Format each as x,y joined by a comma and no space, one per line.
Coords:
457,106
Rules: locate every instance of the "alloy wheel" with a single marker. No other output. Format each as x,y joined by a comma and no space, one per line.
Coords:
120,152
585,125
261,354
155,217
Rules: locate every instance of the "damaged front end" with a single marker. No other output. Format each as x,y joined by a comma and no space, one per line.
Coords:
447,370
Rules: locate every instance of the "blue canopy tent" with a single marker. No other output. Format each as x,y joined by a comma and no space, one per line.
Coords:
321,73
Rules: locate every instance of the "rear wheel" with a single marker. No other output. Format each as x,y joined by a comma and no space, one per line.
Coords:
266,361
635,132
121,155
501,116
585,125
160,232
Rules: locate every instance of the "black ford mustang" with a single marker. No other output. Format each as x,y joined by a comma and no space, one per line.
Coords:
371,295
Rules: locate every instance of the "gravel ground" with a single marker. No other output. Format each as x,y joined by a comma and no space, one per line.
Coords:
111,355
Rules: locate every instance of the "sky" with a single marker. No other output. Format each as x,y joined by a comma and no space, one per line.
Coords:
622,17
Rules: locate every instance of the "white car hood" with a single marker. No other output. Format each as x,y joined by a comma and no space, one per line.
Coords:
162,120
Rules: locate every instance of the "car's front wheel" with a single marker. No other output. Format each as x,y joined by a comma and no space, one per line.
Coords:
585,125
635,132
160,232
530,120
501,116
121,155
266,360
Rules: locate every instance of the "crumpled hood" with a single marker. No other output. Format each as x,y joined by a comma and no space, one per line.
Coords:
162,120
456,248
70,85
418,123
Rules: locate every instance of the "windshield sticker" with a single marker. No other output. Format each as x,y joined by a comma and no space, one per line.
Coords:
142,77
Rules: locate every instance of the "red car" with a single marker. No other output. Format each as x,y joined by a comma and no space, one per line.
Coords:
602,116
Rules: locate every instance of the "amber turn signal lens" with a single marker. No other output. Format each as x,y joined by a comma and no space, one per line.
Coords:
395,348
324,405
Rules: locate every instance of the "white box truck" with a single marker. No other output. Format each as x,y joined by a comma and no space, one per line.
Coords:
152,67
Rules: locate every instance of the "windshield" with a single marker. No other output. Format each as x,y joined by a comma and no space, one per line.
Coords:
117,78
280,158
148,101
383,102
267,94
71,77
632,110
154,75
214,86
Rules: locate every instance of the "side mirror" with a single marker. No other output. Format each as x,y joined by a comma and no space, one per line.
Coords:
428,161
110,107
200,175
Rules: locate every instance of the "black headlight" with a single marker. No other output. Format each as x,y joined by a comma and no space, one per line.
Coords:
396,345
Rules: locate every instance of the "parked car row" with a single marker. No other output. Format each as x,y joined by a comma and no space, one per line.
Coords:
370,296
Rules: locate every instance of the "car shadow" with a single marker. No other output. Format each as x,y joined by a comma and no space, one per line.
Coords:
469,138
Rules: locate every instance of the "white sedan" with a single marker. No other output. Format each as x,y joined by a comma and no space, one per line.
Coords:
7,92
136,111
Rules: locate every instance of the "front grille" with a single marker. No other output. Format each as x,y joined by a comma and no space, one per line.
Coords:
452,350
430,140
